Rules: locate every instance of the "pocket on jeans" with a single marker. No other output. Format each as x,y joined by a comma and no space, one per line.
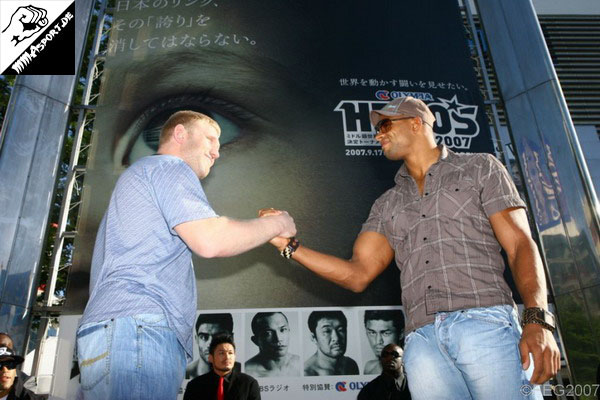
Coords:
153,320
408,338
93,353
496,315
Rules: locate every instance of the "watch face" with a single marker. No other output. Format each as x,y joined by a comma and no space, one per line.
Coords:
549,318
546,317
542,316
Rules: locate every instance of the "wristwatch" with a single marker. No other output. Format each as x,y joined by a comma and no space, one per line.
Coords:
290,248
536,315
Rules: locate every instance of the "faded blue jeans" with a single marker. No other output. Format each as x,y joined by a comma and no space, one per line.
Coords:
468,354
136,357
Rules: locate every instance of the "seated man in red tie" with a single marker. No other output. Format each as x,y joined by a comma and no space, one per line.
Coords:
223,382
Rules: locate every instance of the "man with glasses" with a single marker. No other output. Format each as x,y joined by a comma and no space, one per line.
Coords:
382,327
391,384
11,387
445,222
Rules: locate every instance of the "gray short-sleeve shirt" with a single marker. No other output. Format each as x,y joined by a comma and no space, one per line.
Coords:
445,248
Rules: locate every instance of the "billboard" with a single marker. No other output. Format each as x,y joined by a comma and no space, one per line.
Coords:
291,83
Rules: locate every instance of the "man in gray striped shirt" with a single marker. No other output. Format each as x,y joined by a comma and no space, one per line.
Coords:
135,337
445,222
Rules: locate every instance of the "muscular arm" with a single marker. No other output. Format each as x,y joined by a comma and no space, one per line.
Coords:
370,256
226,237
512,230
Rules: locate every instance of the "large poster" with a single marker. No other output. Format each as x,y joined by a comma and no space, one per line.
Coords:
362,332
297,334
291,83
353,334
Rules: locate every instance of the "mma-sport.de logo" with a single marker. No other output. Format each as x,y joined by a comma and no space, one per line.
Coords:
37,37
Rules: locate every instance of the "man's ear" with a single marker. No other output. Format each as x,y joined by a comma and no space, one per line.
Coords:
313,338
254,339
416,123
210,358
179,133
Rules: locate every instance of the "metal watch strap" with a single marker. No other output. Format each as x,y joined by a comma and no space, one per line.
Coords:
536,315
290,248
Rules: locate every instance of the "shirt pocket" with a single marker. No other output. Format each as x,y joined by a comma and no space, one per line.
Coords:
396,228
459,199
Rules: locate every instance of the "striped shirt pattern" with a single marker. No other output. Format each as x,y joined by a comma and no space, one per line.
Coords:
445,248
140,265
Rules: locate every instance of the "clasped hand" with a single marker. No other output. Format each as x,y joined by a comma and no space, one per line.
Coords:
280,241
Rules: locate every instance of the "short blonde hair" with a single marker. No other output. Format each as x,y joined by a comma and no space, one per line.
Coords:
185,118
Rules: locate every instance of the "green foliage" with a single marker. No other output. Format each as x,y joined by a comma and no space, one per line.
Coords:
6,84
66,255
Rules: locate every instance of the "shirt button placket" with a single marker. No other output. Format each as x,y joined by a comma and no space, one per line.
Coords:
426,231
424,206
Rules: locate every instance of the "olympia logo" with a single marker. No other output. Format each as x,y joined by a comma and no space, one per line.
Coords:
343,386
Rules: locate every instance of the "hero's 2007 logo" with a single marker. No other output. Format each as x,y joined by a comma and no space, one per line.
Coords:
455,123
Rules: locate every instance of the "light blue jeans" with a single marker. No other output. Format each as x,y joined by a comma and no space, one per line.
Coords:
136,357
468,354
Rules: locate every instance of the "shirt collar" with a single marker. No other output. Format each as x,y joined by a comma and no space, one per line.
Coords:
445,155
392,383
227,378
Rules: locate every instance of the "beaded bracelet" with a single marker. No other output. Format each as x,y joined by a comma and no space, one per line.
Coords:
290,248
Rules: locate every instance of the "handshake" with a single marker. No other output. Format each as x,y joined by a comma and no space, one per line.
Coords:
288,229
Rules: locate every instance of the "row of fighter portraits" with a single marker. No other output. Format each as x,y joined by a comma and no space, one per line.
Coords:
301,342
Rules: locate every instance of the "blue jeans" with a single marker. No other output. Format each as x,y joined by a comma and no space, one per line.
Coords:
137,357
468,354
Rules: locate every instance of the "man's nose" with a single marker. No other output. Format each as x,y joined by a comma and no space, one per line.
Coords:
335,336
215,152
277,337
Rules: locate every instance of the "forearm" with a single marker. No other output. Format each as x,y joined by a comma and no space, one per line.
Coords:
225,237
536,342
232,237
344,273
528,273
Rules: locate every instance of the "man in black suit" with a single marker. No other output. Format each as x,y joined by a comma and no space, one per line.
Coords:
224,382
391,384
